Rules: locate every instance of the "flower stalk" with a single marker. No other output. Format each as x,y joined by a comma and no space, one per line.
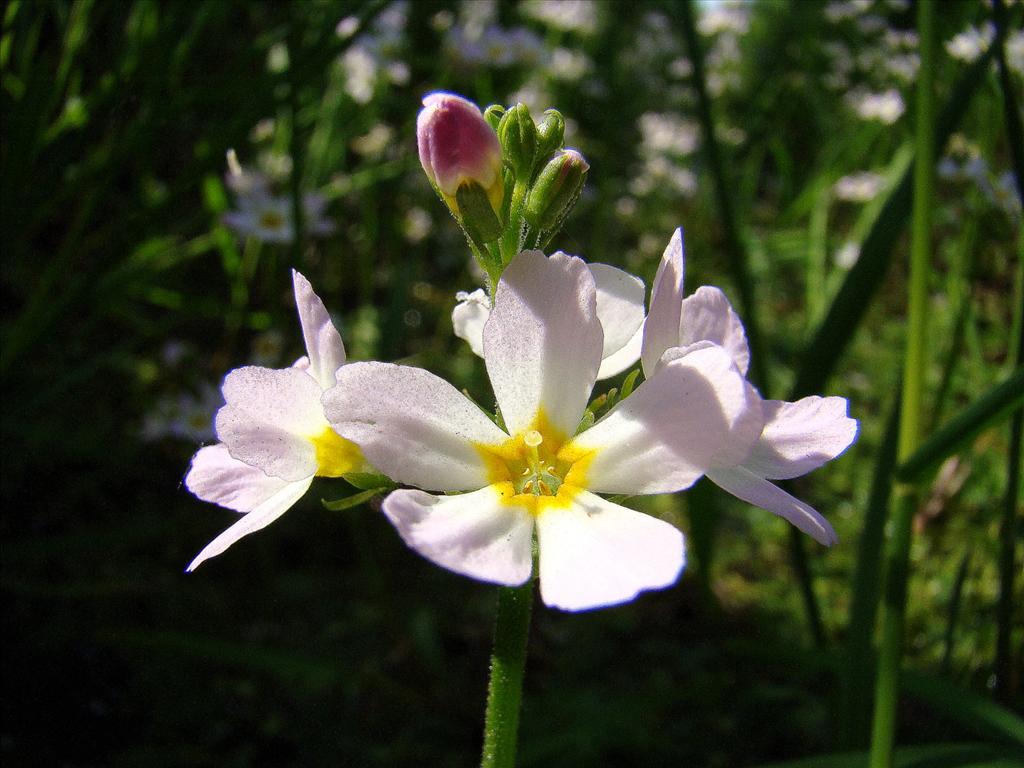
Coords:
508,662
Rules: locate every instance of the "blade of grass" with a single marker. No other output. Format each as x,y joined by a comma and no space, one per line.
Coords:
926,756
976,713
867,586
954,611
1009,524
988,410
883,732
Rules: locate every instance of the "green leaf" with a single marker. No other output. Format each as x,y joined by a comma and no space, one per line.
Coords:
966,708
366,481
988,410
354,500
867,589
629,384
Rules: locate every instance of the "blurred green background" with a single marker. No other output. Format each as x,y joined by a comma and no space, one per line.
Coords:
323,640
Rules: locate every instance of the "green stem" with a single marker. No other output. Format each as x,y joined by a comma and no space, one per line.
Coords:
505,691
1009,526
512,240
883,734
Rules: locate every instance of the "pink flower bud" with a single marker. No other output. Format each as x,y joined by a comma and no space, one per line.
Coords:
458,146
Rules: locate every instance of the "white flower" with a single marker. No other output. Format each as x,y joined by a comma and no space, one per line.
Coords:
620,310
542,347
886,107
569,15
970,44
858,187
797,437
274,436
265,216
847,255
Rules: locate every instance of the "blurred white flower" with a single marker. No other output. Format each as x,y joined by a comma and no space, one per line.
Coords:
360,67
268,217
723,17
1014,46
568,15
970,44
417,225
660,174
858,187
373,143
263,130
849,9
886,107
183,416
666,133
347,27
494,46
903,67
568,65
680,68
847,255
869,24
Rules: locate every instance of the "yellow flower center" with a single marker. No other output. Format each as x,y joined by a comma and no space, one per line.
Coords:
271,220
537,469
336,456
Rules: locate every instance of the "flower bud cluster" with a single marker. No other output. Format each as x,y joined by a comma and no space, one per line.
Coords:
507,179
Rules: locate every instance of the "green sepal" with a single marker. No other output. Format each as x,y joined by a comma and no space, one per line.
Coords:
476,213
365,481
493,115
550,135
587,421
354,500
556,191
629,383
518,136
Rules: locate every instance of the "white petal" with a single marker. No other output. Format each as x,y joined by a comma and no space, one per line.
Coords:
619,361
744,484
474,534
220,479
596,553
260,517
543,341
469,316
323,342
695,413
801,436
708,316
413,426
661,329
620,305
269,419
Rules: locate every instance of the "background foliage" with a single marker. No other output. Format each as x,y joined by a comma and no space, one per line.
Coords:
323,640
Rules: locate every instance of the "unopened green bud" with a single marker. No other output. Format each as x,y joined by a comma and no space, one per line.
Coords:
476,213
518,136
556,190
493,115
550,134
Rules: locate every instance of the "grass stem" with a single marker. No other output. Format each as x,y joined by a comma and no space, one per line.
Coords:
883,734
